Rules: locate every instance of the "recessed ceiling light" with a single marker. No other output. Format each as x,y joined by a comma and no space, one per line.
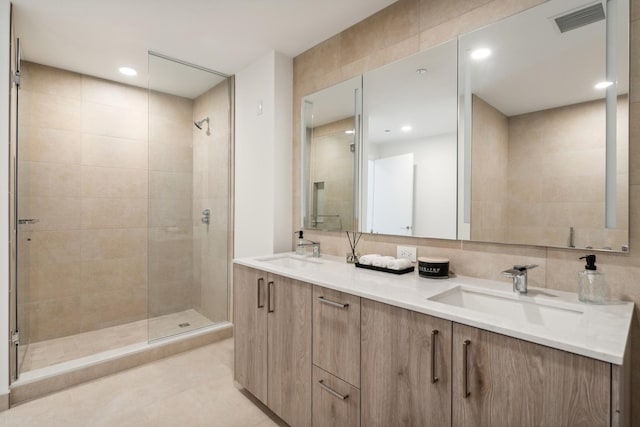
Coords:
603,85
127,71
350,132
421,71
406,128
481,53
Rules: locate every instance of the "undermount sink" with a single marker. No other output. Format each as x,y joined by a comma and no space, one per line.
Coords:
290,260
512,307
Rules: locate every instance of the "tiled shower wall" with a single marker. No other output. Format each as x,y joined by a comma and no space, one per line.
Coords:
83,154
410,26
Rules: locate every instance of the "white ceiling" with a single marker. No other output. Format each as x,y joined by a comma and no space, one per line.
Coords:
96,37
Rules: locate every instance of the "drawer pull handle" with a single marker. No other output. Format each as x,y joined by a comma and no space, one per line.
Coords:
434,377
465,374
332,391
270,291
260,284
332,303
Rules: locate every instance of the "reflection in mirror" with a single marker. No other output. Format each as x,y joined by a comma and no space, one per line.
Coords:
545,100
329,149
409,146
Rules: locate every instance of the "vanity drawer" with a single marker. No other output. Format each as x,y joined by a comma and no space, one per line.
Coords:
335,402
336,333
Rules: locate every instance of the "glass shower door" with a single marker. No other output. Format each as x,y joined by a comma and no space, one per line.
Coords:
189,157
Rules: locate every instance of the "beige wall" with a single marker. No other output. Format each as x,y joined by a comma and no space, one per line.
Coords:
83,154
410,26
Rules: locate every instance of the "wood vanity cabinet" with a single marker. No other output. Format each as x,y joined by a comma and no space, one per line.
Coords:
504,381
406,367
272,330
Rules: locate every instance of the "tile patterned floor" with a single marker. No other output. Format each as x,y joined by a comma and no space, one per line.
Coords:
50,352
191,389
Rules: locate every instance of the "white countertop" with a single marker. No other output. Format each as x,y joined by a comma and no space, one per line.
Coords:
601,334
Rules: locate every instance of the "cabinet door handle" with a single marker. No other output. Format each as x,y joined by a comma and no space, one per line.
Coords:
332,303
270,294
434,377
332,391
260,282
465,369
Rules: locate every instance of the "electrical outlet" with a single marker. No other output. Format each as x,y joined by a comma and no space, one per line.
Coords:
406,252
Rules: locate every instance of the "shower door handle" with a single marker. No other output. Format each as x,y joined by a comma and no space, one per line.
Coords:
28,221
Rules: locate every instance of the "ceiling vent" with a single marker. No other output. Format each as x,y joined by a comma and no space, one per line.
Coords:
580,18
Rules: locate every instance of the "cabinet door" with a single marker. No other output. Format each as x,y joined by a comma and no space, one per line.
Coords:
335,402
289,349
336,333
510,382
400,366
250,329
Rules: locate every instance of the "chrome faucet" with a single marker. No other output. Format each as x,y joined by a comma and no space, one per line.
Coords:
302,245
519,275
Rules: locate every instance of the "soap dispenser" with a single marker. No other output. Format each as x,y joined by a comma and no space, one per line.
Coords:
591,284
300,249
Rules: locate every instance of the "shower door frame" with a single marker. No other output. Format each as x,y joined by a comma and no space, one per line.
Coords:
14,327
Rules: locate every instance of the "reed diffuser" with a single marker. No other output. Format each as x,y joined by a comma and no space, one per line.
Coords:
354,238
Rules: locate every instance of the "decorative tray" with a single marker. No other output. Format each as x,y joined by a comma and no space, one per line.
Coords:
386,270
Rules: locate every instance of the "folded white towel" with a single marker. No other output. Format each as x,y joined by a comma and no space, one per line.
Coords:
382,261
399,264
367,259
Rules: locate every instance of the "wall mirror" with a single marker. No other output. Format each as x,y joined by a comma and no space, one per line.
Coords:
544,127
408,170
329,146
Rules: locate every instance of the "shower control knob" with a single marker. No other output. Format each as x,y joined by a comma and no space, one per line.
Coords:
206,216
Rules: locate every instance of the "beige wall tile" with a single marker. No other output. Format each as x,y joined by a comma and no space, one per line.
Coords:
113,243
50,111
51,81
171,106
55,280
170,157
99,91
113,152
113,182
55,317
53,213
49,145
105,120
50,247
102,275
114,213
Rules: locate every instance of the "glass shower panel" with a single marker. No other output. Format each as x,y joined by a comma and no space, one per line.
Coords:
189,158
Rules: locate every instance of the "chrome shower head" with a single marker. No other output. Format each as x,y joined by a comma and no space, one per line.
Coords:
199,124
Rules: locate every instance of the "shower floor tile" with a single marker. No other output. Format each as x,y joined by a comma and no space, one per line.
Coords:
50,352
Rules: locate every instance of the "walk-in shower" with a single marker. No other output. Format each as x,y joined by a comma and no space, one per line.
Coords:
118,178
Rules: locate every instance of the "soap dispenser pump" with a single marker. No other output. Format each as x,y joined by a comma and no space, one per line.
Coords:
591,284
